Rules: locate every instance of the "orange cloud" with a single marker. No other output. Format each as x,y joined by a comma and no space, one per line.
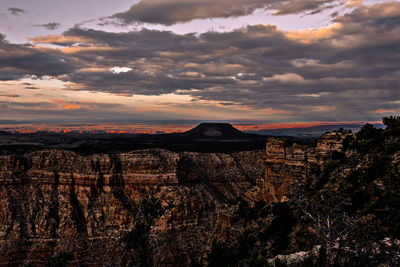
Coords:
60,39
308,36
83,49
72,106
381,111
273,111
66,105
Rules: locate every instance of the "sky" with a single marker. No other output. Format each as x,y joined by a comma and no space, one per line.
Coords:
165,63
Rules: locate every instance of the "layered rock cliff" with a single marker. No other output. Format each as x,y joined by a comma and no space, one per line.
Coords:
286,165
58,201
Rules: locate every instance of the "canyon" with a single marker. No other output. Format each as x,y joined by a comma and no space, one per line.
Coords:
56,201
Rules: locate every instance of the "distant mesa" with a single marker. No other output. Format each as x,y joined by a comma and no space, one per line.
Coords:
215,130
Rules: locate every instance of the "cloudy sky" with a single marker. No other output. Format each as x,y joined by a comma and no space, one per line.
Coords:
171,61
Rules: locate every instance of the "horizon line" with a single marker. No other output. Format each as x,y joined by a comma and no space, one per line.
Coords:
142,128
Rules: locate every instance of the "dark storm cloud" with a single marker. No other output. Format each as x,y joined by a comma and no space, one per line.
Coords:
170,12
17,61
374,14
351,67
143,83
296,6
16,11
174,11
8,105
10,95
49,26
245,64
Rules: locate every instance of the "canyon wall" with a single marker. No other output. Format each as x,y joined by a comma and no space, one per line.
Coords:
56,201
287,164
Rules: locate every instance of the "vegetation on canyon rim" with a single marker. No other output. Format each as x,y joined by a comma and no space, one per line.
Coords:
349,210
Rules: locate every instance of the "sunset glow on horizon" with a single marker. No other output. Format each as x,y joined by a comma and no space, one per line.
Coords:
143,128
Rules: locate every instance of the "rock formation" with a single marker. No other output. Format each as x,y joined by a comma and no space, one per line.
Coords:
56,201
285,165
